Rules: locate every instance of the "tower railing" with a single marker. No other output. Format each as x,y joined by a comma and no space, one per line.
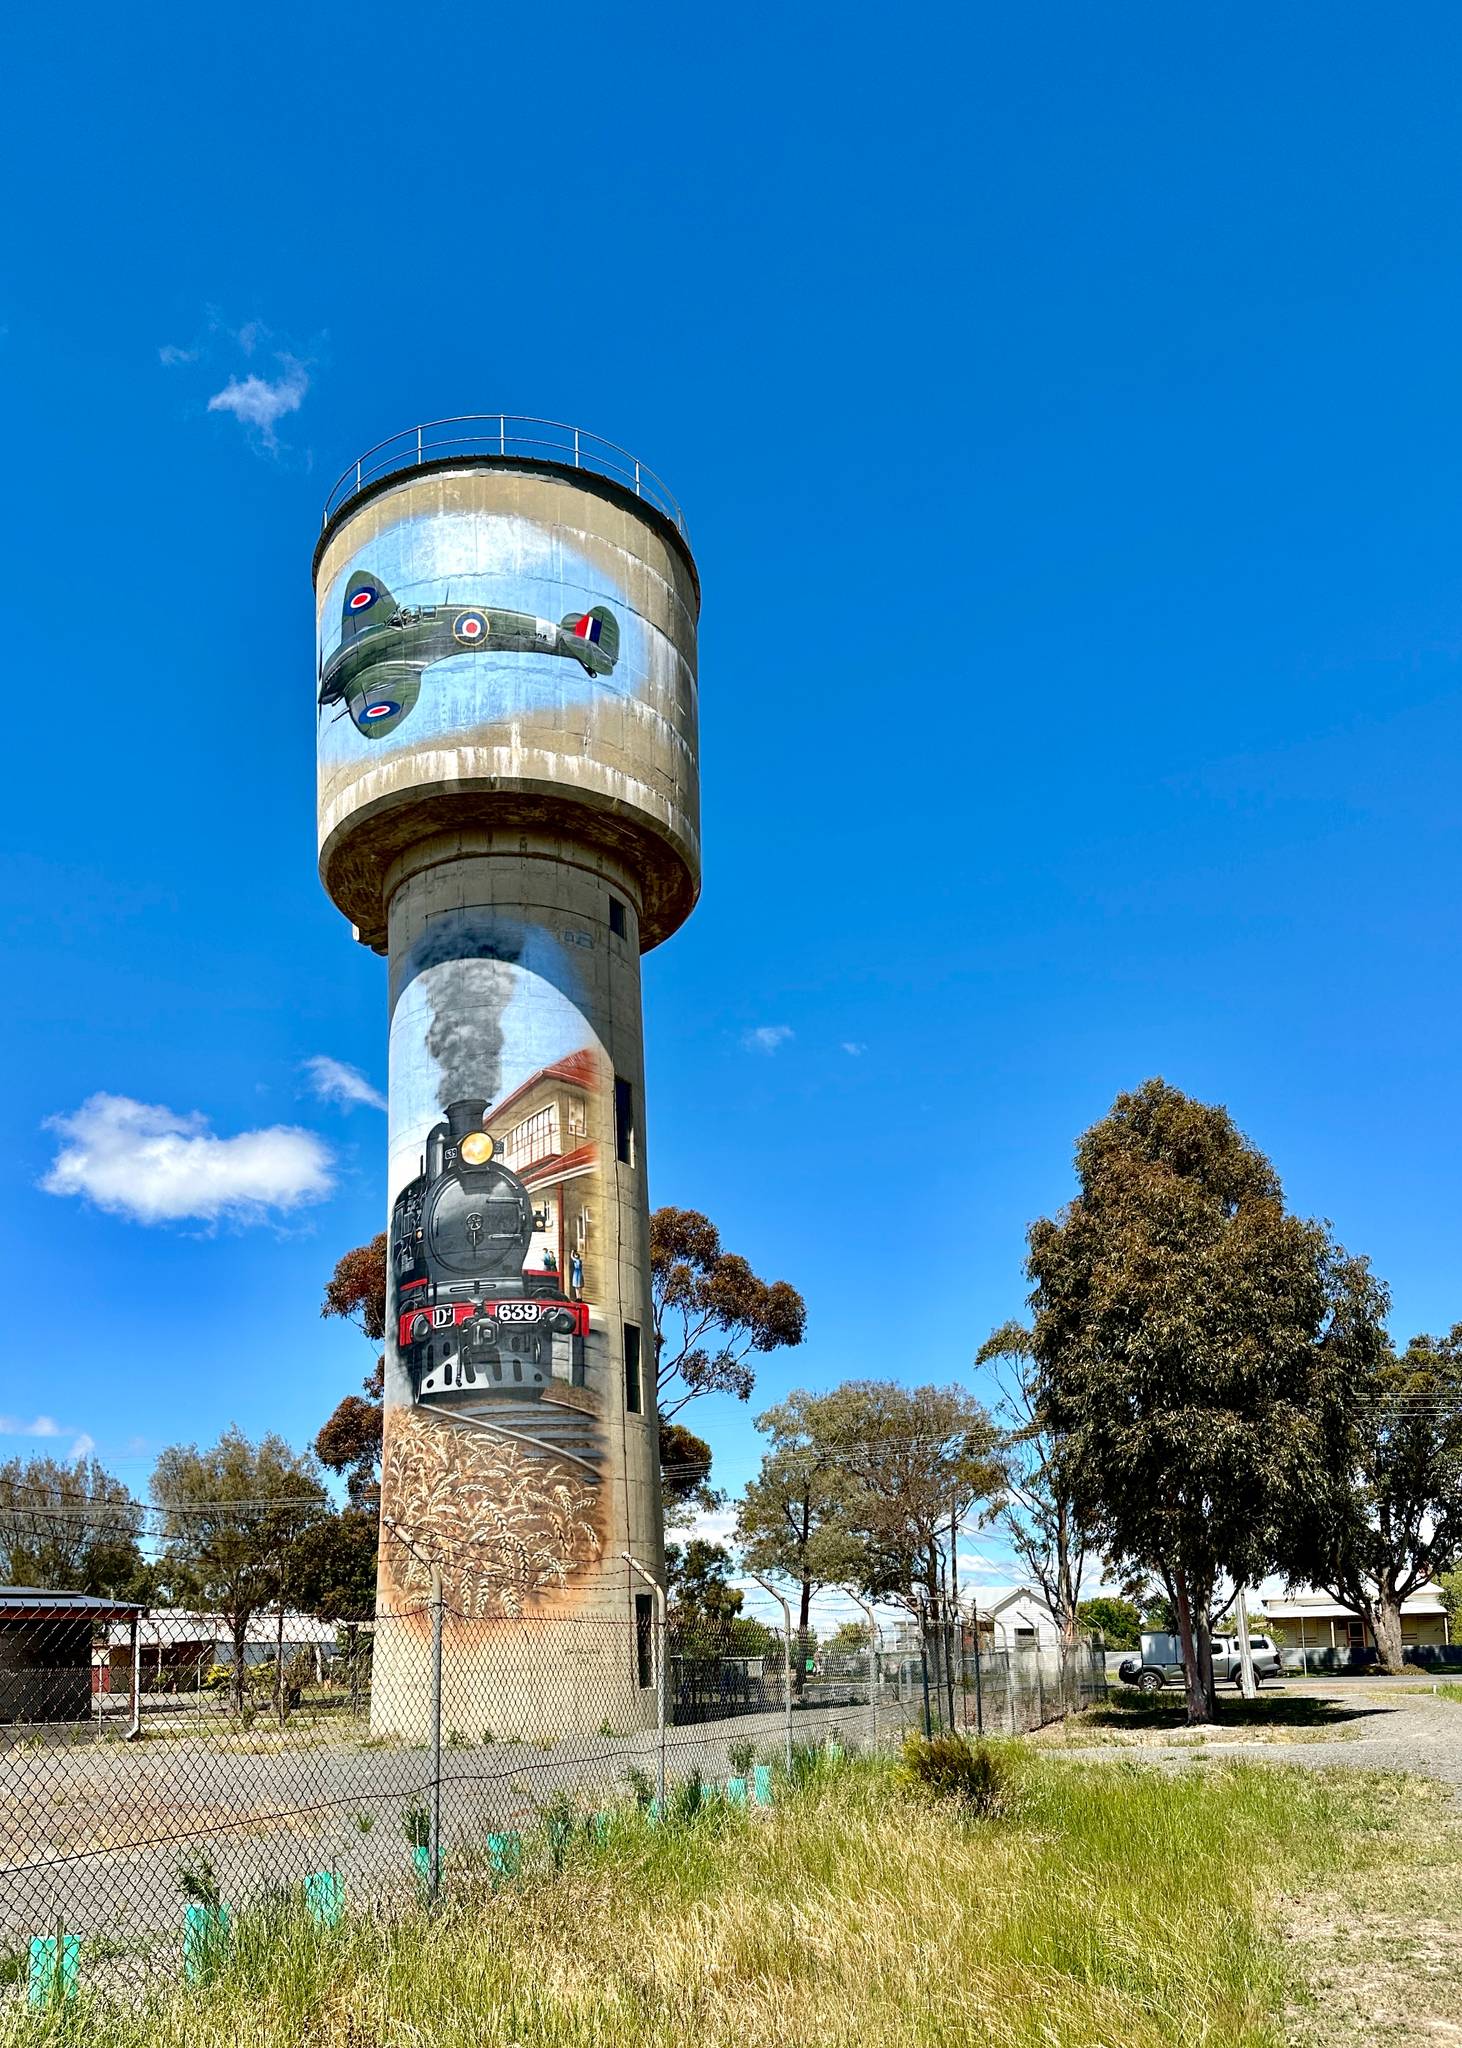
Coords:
502,436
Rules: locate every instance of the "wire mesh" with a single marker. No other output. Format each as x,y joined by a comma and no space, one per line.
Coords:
149,1775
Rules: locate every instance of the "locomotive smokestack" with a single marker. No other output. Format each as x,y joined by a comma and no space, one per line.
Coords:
466,1115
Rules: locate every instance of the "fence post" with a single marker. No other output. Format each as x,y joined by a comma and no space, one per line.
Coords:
435,1853
662,1665
135,1702
875,1645
979,1693
786,1661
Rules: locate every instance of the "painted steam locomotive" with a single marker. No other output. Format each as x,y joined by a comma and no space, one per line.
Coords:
470,1319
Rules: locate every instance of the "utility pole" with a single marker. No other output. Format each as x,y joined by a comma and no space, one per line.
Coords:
1246,1655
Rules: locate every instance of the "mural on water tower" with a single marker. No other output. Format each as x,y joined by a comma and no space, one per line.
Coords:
500,1093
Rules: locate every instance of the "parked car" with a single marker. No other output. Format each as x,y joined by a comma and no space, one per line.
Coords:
1150,1675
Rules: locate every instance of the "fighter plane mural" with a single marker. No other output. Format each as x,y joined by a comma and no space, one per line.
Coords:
385,648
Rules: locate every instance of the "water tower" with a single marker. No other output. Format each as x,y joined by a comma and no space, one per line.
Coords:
509,812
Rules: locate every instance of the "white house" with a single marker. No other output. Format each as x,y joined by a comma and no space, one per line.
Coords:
1017,1616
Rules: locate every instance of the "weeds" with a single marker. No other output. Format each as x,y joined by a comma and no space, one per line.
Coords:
198,1882
1113,1907
977,1776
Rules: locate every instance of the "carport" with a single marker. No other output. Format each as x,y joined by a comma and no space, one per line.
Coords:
46,1640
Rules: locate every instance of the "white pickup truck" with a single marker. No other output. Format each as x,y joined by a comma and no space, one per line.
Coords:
1160,1664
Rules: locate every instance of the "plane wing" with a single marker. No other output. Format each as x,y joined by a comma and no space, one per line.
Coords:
384,696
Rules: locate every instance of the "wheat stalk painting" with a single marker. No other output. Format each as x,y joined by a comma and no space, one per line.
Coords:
504,1523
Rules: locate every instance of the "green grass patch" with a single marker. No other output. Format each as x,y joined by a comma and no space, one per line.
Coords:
1098,1906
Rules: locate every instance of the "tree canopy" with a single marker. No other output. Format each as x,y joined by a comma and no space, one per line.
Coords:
914,1462
1193,1344
230,1515
685,1475
350,1440
1392,1516
793,1517
712,1314
70,1527
1038,1512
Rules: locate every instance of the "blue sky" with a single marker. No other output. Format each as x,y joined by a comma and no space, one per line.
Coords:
1065,405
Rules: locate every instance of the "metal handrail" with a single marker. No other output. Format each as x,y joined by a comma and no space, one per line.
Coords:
499,435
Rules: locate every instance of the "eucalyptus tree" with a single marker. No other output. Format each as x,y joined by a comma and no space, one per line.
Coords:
793,1518
1195,1345
1392,1519
712,1315
1038,1515
231,1517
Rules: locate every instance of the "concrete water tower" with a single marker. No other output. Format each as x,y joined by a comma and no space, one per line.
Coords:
509,811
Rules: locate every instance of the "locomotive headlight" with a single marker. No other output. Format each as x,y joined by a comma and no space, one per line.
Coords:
419,1326
477,1148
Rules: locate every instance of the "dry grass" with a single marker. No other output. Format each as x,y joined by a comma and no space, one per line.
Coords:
1108,1907
1129,1720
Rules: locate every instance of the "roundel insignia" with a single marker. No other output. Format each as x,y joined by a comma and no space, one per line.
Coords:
383,708
361,600
470,628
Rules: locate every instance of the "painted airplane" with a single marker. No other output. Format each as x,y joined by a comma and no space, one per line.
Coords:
385,647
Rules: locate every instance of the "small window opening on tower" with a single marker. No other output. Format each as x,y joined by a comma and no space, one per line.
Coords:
645,1640
634,1393
624,1120
618,922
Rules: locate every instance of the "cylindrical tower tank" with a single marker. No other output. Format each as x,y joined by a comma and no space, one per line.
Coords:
509,810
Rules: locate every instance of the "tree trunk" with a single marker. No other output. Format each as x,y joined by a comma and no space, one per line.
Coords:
1197,1654
239,1628
804,1609
1385,1620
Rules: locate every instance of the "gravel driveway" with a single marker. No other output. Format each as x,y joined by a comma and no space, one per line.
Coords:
1370,1726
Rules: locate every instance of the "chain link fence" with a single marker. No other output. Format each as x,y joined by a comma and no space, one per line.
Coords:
153,1782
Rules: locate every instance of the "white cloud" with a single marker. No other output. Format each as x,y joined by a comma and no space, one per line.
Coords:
714,1525
767,1037
82,1448
335,1081
169,355
39,1425
854,1048
258,403
141,1160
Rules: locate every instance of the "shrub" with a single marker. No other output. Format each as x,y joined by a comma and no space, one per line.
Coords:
741,1756
974,1775
416,1826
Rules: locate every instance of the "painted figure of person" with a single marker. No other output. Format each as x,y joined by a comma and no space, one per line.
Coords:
576,1275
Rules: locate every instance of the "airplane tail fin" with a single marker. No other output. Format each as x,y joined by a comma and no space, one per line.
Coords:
599,630
367,602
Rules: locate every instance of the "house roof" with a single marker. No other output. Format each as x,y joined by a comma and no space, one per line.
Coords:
579,1069
1306,1604
173,1625
41,1603
995,1599
559,1165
